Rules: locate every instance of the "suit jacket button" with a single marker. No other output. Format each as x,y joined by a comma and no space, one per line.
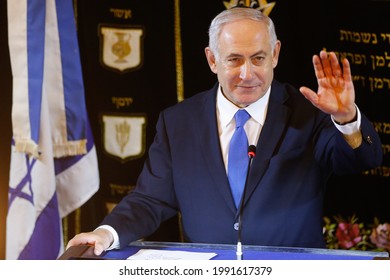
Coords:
235,226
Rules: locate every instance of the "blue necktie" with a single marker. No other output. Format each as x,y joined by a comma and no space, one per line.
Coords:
238,156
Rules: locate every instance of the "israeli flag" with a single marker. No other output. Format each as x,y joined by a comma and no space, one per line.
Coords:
54,167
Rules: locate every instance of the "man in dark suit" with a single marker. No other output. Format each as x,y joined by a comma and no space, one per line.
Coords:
302,137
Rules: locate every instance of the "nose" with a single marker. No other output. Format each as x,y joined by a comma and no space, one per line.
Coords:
246,71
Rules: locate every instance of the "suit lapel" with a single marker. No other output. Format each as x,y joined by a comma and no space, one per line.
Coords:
272,131
211,149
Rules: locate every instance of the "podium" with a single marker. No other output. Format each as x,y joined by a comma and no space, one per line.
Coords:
227,252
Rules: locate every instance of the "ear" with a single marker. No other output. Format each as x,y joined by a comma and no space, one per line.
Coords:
275,55
211,59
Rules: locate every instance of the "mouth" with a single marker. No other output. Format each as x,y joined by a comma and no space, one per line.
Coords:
247,88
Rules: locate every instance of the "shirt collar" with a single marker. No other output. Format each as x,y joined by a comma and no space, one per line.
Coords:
226,109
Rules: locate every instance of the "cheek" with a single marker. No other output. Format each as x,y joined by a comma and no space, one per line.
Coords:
230,74
225,74
264,72
230,79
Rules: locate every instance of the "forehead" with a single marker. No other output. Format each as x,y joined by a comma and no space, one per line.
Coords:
243,36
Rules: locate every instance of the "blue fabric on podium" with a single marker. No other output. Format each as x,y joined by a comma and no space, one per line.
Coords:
223,254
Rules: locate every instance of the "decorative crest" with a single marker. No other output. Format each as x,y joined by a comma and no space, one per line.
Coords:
261,5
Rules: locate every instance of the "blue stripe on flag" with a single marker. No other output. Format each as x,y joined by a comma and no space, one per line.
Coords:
72,73
35,54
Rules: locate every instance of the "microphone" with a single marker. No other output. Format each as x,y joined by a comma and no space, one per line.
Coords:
251,155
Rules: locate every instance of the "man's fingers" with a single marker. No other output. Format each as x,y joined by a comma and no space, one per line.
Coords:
318,70
326,64
99,249
335,65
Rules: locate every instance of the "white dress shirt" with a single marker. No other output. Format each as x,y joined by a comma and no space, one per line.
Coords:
227,125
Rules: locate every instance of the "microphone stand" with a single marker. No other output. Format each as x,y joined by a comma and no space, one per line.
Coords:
251,155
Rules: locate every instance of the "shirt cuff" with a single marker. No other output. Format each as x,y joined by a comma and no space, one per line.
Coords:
115,244
349,128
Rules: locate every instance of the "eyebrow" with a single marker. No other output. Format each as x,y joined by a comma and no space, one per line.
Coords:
253,55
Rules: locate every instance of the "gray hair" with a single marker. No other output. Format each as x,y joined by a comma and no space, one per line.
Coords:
234,14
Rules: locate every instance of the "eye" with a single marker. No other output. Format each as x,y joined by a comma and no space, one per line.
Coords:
258,60
234,61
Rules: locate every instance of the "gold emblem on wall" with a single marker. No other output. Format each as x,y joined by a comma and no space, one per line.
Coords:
121,48
124,136
261,5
